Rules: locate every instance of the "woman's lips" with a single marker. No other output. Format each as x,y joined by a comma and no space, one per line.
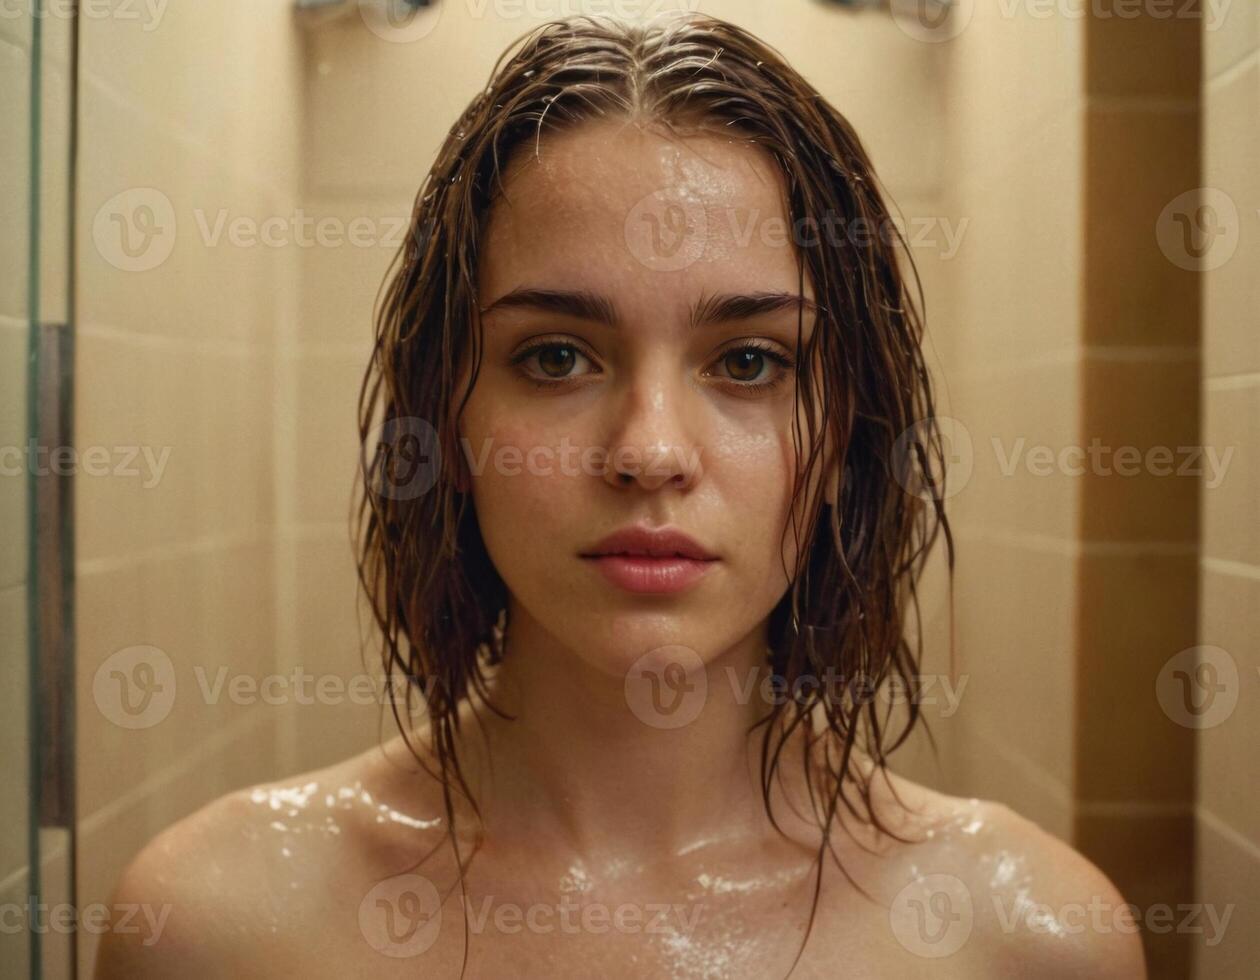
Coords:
640,573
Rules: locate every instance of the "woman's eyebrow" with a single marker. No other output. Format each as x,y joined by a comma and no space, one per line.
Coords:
584,305
580,304
728,307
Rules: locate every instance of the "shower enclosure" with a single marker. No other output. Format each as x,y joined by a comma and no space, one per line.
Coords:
37,69
199,202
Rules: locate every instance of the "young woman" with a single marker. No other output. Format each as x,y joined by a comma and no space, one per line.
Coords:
652,349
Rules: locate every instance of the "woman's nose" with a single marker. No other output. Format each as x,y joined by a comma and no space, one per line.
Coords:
652,441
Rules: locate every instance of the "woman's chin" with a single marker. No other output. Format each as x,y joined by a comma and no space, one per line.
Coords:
632,644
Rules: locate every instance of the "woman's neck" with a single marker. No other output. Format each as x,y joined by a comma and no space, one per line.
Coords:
657,759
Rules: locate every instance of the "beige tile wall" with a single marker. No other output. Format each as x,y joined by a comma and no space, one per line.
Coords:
1227,818
179,338
1008,328
1138,589
1065,319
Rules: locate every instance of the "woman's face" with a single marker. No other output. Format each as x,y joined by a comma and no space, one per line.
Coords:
647,418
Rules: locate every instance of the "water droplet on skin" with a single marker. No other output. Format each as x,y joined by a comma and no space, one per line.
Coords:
310,811
1004,873
575,880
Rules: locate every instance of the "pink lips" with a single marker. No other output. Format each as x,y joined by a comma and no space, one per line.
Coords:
651,560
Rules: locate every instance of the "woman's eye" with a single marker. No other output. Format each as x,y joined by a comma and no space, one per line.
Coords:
555,362
749,367
756,367
745,364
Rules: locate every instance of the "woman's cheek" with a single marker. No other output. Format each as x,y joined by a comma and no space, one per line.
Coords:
773,490
759,463
525,472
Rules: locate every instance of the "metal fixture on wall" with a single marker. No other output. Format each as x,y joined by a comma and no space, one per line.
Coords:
317,12
932,7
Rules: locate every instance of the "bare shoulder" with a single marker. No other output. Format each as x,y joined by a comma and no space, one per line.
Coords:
242,885
1014,898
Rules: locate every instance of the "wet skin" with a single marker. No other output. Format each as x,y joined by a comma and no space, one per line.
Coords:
300,879
611,847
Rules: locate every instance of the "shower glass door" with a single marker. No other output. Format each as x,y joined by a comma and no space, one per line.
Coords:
37,86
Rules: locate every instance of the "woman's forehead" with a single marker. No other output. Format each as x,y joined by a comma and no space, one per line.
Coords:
657,220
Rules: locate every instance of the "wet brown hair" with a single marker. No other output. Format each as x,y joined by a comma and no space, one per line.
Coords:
436,597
